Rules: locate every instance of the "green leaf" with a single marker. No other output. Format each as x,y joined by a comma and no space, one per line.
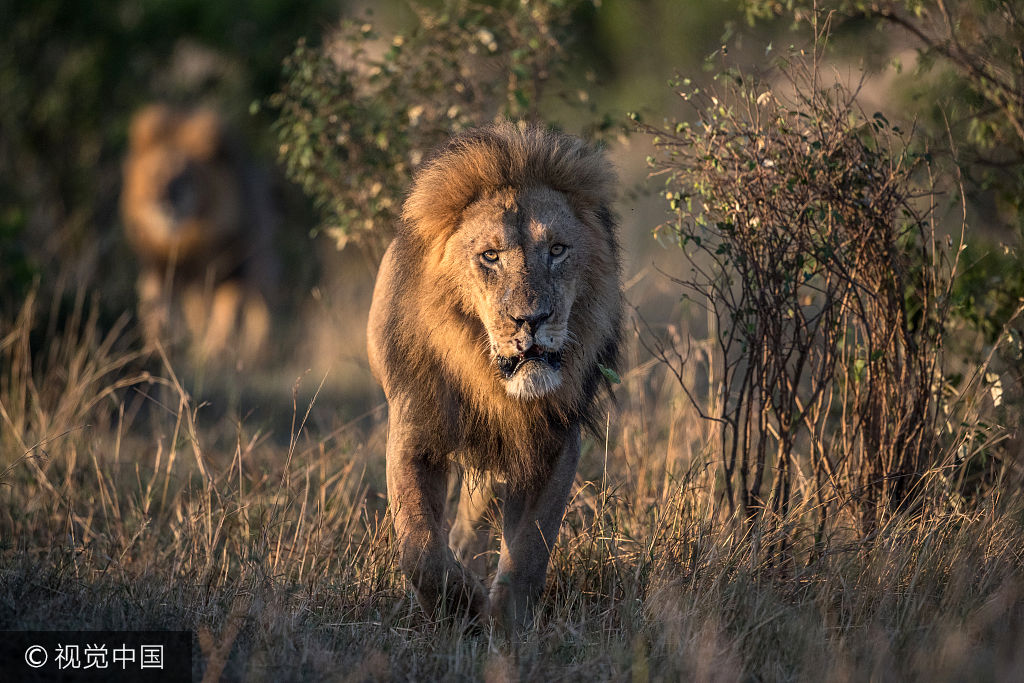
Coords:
609,374
858,369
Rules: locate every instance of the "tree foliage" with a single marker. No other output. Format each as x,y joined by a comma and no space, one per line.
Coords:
358,113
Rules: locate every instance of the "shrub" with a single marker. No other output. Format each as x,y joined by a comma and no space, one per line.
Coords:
356,114
810,234
965,95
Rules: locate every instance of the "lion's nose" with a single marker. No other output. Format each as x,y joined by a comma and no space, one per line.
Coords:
531,321
181,195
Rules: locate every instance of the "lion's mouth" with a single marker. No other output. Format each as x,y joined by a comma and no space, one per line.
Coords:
510,365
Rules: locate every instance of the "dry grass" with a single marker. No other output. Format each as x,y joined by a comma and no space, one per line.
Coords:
122,508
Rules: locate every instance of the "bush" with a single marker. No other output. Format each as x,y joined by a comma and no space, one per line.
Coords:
814,246
358,113
965,95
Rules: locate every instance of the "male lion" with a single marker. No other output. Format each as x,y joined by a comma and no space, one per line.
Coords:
199,219
495,307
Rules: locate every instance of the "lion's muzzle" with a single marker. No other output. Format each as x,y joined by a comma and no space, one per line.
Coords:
181,196
510,365
532,373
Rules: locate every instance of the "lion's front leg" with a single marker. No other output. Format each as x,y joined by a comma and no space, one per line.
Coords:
530,523
471,532
154,306
417,486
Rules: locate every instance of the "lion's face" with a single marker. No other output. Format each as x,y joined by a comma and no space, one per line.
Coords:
180,194
517,257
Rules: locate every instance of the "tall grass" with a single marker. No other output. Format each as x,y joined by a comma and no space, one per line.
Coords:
117,512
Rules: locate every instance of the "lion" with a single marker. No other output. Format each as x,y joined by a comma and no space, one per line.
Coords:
200,221
495,307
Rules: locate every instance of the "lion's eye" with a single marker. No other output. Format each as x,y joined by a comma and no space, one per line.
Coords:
490,256
558,249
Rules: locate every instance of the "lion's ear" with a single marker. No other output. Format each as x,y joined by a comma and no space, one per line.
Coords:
149,125
201,134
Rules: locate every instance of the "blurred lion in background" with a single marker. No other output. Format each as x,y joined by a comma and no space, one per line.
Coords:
200,219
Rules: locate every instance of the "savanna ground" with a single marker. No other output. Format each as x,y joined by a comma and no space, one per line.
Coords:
147,491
